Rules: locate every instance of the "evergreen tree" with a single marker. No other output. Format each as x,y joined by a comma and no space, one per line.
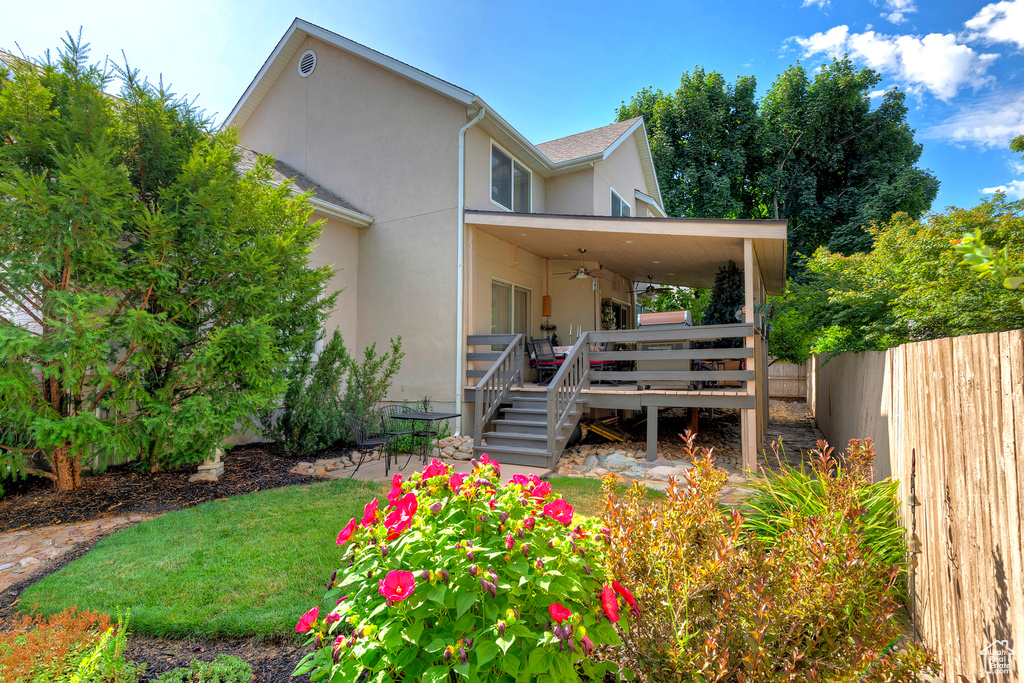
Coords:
150,295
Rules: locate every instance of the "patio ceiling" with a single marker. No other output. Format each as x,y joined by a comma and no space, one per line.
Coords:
685,252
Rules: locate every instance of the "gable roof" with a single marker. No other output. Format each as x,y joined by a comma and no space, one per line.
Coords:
571,157
321,197
588,142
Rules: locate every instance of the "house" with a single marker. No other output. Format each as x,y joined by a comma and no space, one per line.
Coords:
448,227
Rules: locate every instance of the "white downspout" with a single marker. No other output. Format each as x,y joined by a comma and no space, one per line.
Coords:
460,332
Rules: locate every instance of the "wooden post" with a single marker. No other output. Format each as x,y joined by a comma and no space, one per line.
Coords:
748,416
652,432
693,420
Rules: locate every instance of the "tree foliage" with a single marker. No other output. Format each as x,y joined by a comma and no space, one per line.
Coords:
910,288
813,151
150,294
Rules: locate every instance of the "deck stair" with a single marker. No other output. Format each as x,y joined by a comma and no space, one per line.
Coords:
520,435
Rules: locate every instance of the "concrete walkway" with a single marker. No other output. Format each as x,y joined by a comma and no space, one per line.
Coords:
373,470
24,553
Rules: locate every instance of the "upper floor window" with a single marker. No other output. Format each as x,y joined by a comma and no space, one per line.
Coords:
510,181
619,206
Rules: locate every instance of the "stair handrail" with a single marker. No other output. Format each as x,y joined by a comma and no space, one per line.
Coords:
493,388
572,378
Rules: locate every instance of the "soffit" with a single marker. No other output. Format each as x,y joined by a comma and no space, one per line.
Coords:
680,252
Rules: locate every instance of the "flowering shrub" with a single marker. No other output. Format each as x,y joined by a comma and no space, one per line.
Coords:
719,605
457,576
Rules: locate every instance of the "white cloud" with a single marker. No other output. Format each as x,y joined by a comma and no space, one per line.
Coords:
999,22
898,10
820,4
1015,188
936,63
991,122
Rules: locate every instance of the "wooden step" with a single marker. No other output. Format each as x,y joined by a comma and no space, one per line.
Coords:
533,457
527,426
517,440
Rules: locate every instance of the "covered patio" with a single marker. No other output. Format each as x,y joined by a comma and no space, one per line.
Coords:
619,252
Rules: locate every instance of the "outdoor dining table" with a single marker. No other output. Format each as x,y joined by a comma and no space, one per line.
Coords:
429,418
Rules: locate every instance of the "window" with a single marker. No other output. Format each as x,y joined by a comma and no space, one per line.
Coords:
510,308
619,206
510,182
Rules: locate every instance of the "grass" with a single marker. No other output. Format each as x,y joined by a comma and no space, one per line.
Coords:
242,566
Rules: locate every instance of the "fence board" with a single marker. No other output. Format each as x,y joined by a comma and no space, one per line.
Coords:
953,411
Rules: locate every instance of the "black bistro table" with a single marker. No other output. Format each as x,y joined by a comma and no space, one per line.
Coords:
430,420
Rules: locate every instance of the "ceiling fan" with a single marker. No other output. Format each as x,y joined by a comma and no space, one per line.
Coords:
650,291
582,272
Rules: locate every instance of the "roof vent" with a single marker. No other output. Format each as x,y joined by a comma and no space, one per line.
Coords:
307,63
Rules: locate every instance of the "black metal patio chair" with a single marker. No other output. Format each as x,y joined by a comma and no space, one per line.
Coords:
547,362
366,438
390,416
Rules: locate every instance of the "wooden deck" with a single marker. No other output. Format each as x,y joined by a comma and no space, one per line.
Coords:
628,397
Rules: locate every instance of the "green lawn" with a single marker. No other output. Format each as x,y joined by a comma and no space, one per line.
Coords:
249,565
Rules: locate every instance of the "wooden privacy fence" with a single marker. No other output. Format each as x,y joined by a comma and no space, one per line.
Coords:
953,410
787,380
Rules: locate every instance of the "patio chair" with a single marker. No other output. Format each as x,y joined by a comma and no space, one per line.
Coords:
389,418
603,364
365,437
547,362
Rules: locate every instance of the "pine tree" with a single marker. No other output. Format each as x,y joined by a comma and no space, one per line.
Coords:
150,293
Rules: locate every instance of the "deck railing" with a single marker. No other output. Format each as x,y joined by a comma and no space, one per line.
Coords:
492,389
673,377
572,378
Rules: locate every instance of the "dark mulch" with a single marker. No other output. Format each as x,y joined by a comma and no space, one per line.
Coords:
122,490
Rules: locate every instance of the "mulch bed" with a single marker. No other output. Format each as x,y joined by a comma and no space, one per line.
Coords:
122,491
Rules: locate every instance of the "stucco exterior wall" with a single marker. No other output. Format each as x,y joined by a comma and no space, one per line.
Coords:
390,147
497,259
572,194
478,174
338,247
622,172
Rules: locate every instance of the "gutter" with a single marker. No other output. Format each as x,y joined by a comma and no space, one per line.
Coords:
460,331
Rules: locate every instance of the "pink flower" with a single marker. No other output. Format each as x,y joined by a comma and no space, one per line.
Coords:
610,604
520,479
559,510
370,513
396,489
347,532
541,489
484,460
397,585
559,612
509,542
455,481
332,617
400,519
306,622
434,469
626,595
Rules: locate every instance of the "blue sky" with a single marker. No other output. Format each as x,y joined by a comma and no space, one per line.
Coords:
555,68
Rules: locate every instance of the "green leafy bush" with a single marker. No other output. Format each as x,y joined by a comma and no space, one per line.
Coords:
224,669
311,416
789,495
462,578
720,605
80,647
312,413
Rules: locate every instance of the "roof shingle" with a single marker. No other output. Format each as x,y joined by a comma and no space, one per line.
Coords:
585,143
280,172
